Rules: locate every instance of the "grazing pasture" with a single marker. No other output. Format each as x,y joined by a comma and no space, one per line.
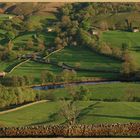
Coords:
84,58
116,38
107,91
35,69
90,113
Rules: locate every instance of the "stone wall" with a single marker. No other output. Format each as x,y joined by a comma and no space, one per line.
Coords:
99,130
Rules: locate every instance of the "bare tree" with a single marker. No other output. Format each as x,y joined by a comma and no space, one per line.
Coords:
69,111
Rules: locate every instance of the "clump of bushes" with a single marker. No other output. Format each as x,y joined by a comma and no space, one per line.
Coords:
15,96
82,93
64,76
16,81
51,96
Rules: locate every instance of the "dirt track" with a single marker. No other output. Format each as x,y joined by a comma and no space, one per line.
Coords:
18,108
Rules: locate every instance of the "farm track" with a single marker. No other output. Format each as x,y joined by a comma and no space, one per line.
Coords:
21,107
10,68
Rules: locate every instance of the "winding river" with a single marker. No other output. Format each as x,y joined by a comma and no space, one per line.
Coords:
53,86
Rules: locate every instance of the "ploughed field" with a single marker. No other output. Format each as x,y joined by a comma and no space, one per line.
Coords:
91,112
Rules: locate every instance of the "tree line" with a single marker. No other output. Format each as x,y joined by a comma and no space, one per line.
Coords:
15,96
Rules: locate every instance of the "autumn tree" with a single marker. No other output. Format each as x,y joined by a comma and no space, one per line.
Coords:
104,48
30,44
68,75
41,45
129,65
10,45
116,52
103,25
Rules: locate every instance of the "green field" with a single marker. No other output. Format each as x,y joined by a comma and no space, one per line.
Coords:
86,58
91,113
116,38
118,91
35,69
22,40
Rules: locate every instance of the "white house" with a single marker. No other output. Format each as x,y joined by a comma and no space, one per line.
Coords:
10,17
49,29
135,29
94,32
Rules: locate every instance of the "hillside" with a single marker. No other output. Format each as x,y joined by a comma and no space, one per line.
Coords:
30,8
119,20
117,38
81,59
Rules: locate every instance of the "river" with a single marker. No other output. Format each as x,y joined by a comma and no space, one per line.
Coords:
53,86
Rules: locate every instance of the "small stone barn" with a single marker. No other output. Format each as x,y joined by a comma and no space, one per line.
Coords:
94,31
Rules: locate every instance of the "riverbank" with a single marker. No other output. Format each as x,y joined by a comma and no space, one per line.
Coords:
62,85
91,80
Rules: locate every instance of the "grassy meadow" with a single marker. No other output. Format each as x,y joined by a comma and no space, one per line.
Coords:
35,69
118,91
90,113
116,38
85,58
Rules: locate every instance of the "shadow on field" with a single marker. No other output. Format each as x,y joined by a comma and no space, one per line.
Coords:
86,110
115,116
136,48
52,118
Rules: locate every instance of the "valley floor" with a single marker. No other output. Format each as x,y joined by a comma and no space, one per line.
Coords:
91,112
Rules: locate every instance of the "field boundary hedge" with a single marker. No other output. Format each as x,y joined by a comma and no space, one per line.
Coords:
96,130
21,107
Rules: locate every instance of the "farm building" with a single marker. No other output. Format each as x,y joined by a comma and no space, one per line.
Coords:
2,74
49,29
135,29
94,31
10,17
